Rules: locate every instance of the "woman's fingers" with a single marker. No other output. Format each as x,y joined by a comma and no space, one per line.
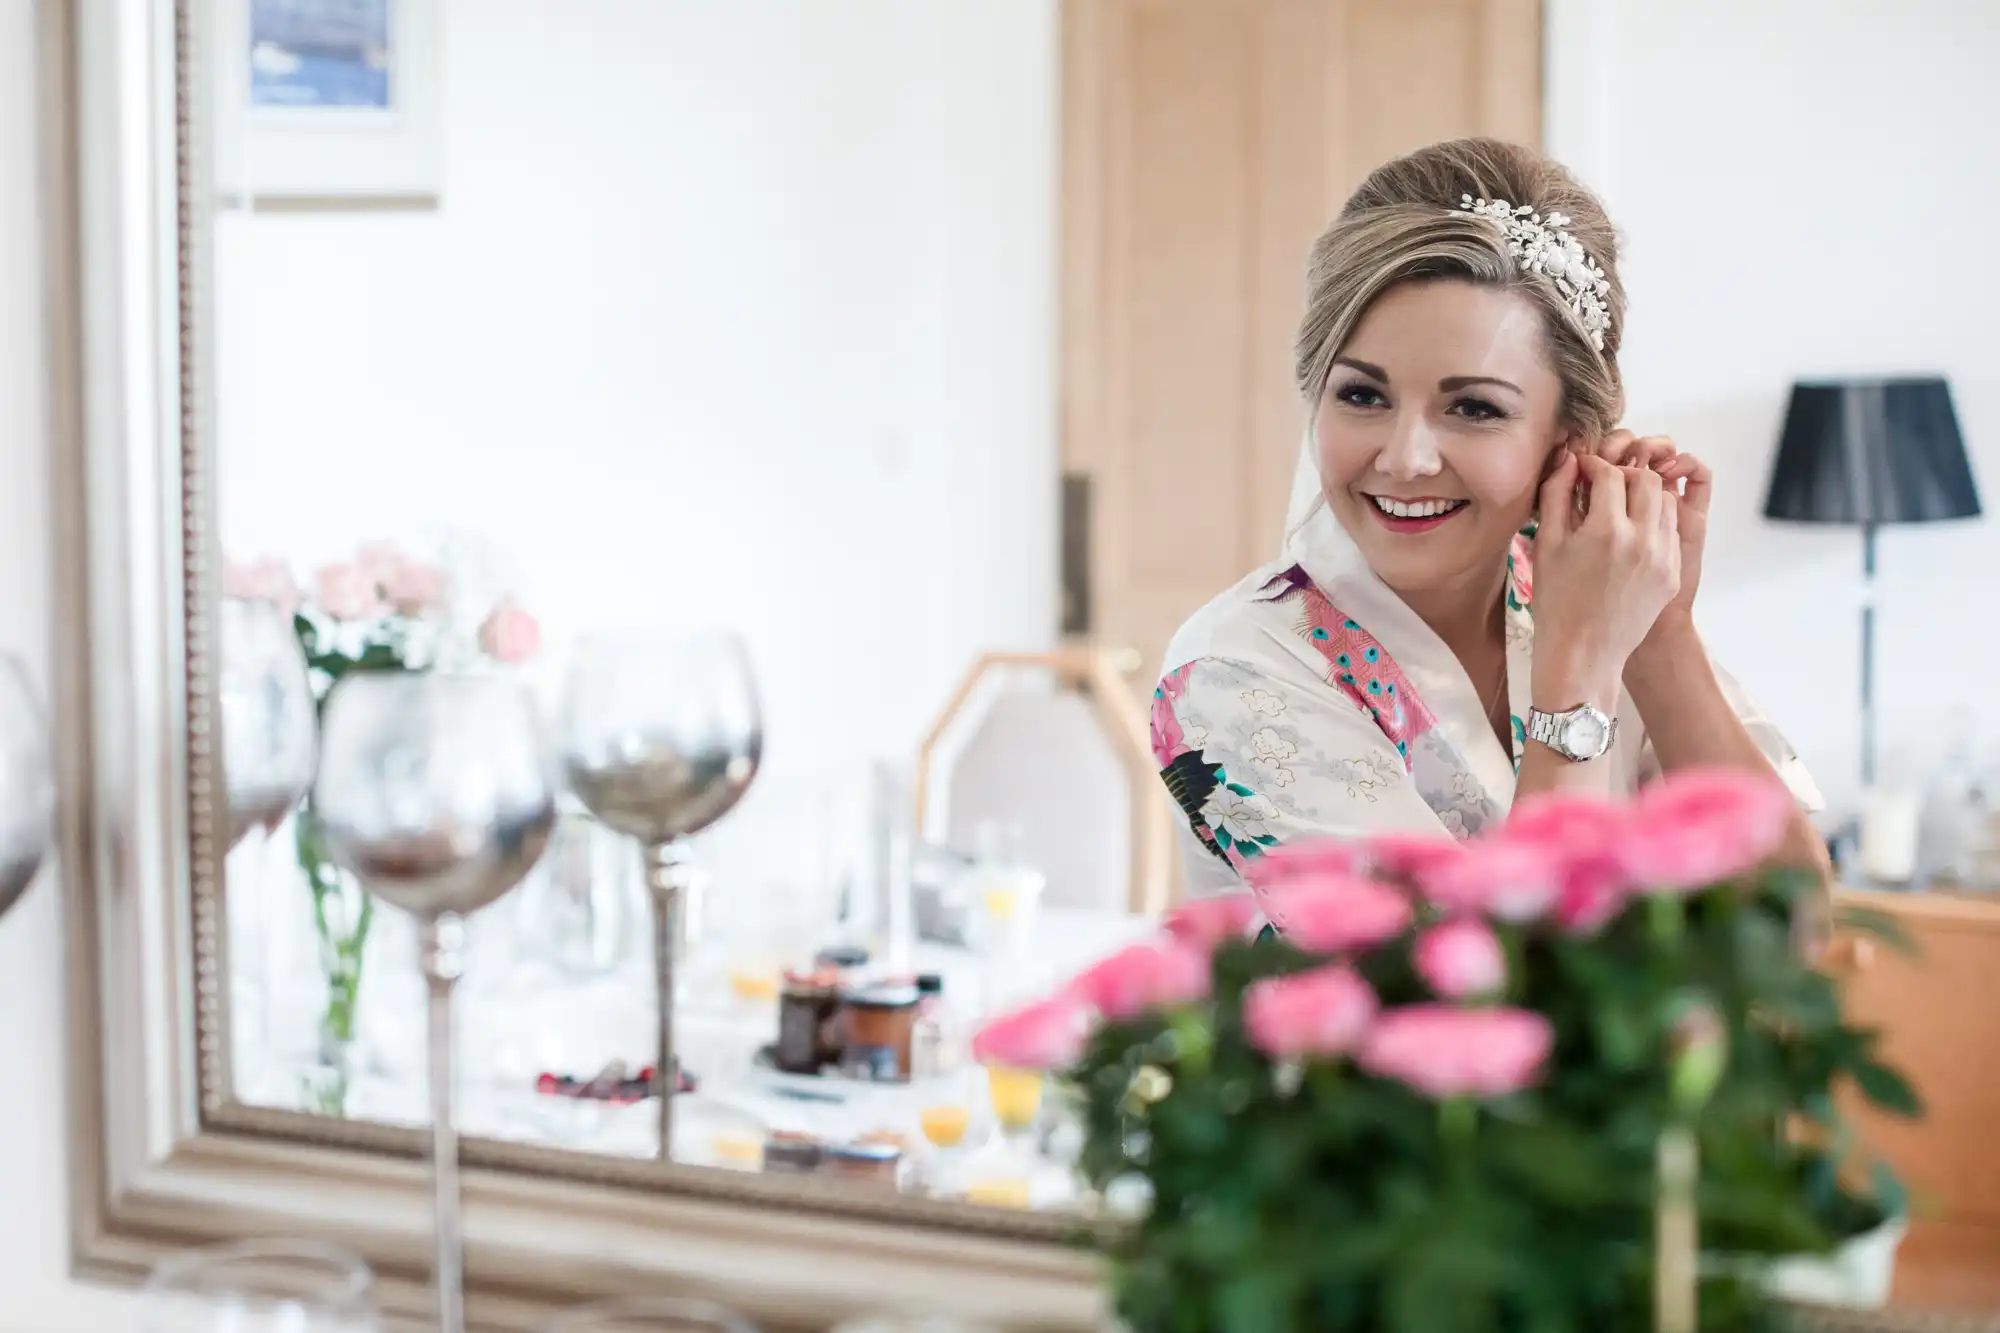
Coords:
1624,448
1654,451
1700,479
1556,508
1644,497
1616,447
1607,491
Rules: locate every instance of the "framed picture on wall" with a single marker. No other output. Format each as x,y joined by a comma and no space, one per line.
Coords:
331,102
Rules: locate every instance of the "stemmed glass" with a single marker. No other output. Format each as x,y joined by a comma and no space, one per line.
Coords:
268,727
260,1286
27,785
661,737
269,734
437,792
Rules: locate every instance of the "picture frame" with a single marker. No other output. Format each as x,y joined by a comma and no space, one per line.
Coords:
326,103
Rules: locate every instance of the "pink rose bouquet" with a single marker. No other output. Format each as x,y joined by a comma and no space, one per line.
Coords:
1428,1095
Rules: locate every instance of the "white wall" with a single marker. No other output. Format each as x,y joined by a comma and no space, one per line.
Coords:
34,1226
732,313
1807,188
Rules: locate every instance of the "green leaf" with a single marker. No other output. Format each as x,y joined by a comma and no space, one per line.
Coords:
1890,1192
1880,925
1622,1032
1561,1166
1258,1301
1889,1090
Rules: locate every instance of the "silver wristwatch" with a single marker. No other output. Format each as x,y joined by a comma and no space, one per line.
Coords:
1579,735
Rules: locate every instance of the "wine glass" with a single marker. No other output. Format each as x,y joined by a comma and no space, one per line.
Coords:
260,1286
437,792
269,733
643,1314
268,724
27,784
661,737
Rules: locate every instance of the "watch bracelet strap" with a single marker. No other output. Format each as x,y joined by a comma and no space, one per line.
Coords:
1544,729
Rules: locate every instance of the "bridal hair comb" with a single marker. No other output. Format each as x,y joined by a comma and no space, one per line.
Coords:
1543,246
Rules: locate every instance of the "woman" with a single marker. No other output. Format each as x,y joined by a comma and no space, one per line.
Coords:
1486,590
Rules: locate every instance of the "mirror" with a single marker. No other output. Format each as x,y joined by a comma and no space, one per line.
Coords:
816,385
815,354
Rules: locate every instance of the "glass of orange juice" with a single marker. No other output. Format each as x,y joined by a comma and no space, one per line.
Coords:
945,1123
1016,1096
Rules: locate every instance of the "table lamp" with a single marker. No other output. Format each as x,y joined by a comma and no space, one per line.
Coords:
1865,452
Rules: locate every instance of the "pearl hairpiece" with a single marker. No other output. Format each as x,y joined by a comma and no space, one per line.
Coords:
1543,246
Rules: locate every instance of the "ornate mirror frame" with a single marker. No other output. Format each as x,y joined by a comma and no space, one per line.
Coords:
160,1158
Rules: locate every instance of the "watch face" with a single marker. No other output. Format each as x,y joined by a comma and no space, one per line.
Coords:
1587,733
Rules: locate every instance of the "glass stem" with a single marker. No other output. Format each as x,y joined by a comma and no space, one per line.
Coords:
669,874
443,946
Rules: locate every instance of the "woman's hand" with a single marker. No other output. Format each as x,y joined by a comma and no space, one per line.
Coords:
1690,480
1602,577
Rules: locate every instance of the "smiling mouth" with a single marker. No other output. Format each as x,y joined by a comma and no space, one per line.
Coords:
1411,515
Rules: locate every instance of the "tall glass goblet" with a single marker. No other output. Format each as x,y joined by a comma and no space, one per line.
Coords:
268,726
269,735
260,1286
27,785
661,737
437,792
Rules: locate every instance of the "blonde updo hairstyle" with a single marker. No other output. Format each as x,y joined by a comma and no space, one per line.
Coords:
1404,224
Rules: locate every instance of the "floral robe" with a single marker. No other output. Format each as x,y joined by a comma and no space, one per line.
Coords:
1310,701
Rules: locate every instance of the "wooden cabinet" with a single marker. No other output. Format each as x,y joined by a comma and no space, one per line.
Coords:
1940,1015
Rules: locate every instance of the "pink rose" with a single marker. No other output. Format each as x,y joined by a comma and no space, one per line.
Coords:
1571,825
510,634
1143,976
1461,960
1322,1012
1046,1035
379,560
1410,858
1508,879
1593,894
1332,915
1697,826
1302,861
266,580
1583,839
347,592
1207,922
1444,1051
415,586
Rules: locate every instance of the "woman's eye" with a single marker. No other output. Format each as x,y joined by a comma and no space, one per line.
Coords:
1477,409
1359,395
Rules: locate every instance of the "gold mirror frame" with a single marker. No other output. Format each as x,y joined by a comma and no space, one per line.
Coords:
161,1159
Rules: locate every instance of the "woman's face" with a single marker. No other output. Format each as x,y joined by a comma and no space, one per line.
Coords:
1437,429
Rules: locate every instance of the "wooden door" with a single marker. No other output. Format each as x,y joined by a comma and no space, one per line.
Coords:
1939,1013
1206,144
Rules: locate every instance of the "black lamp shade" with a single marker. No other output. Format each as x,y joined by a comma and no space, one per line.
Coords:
1871,451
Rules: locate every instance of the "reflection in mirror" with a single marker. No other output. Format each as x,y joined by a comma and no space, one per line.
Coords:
702,380
617,373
